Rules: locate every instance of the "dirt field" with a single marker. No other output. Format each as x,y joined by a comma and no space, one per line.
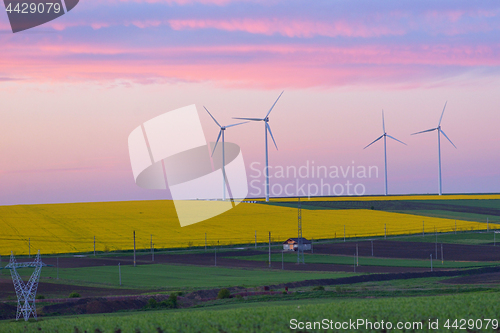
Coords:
382,249
413,250
208,259
385,249
58,290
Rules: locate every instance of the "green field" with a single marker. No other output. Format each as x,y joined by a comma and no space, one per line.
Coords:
366,261
174,277
426,208
446,214
489,203
277,317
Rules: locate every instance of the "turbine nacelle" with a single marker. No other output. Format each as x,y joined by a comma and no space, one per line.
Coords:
222,128
385,134
438,128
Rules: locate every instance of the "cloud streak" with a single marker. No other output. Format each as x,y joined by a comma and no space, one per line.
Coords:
289,28
251,43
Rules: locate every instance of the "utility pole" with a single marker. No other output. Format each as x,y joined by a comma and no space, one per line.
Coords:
431,262
300,247
436,242
269,249
372,248
282,263
357,255
134,248
152,253
442,259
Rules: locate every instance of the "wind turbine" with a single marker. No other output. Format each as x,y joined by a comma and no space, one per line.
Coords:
268,128
439,145
385,136
221,133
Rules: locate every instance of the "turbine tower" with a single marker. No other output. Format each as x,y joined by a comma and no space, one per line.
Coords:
267,128
221,133
440,130
385,136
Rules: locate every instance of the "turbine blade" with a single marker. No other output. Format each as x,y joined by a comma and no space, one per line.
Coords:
271,109
251,119
272,137
396,139
446,136
429,130
220,132
212,117
440,119
237,124
383,121
380,137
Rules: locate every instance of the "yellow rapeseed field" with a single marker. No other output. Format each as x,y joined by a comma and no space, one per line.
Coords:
64,228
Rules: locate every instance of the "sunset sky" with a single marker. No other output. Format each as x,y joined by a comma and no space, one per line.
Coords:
72,90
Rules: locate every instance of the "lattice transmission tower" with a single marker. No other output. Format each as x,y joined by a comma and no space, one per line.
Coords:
26,292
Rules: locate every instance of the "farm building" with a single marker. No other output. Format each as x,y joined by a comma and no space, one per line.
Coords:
291,244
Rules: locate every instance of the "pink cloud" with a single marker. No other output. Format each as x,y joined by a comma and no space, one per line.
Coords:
147,23
289,28
97,26
275,65
310,55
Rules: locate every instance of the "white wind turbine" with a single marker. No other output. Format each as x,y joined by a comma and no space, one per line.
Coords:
268,128
385,136
439,145
221,132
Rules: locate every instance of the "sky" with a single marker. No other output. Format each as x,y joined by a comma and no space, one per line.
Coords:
73,89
